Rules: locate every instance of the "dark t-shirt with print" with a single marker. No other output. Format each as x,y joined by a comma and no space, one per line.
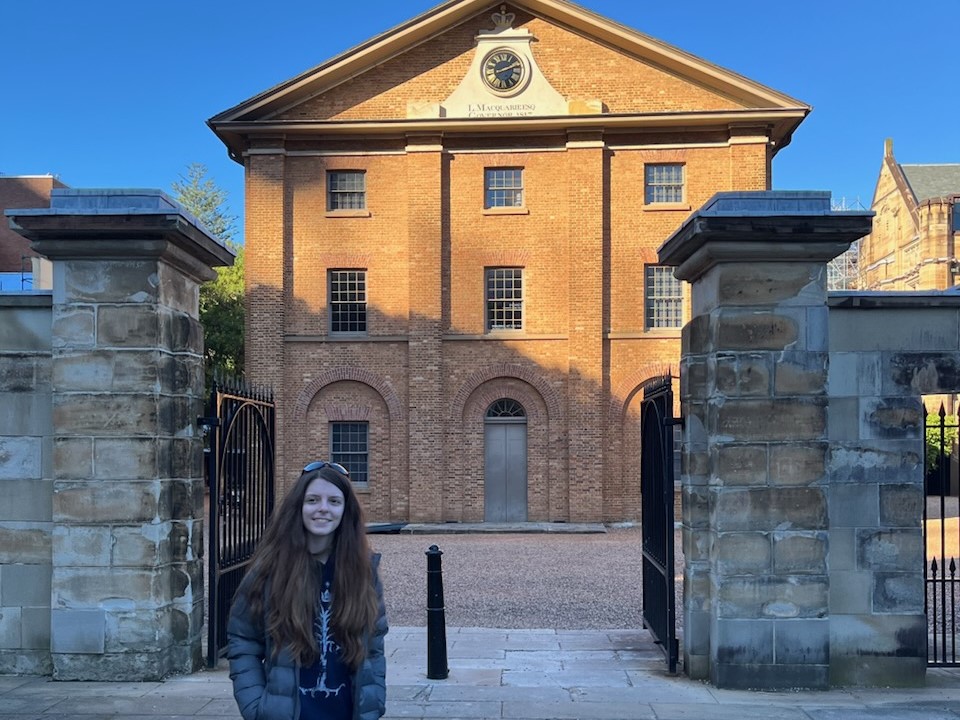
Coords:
326,690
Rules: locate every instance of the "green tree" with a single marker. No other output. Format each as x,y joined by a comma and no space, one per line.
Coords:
221,300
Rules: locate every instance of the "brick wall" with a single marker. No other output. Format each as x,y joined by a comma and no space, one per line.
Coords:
427,369
21,192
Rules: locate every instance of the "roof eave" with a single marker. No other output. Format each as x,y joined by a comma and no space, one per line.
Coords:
778,123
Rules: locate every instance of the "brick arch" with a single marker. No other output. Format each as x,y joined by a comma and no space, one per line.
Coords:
628,387
624,463
489,392
501,370
464,481
340,374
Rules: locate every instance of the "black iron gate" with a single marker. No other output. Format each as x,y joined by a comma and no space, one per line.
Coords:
239,468
941,516
657,502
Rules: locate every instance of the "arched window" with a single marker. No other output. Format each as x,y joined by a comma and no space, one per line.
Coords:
505,408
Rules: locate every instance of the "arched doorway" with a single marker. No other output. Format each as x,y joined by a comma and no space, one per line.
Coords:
505,462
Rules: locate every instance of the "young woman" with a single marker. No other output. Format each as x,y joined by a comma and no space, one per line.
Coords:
305,634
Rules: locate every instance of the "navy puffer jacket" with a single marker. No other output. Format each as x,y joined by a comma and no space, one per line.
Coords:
266,688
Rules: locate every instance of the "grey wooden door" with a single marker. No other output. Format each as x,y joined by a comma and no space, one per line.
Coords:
505,471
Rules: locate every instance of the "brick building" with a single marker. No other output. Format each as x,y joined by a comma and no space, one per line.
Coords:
451,236
913,245
20,267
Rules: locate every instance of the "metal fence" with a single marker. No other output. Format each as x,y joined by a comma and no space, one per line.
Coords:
657,509
941,523
240,427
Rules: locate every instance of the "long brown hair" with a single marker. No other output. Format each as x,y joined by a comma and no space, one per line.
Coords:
286,579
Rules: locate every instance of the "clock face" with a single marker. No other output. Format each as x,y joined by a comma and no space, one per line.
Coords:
503,70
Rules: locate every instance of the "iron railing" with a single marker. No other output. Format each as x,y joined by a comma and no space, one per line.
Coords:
240,477
657,511
941,528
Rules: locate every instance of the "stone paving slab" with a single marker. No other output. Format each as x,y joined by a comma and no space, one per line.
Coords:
589,675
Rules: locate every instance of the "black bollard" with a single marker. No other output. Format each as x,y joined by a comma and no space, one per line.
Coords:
436,624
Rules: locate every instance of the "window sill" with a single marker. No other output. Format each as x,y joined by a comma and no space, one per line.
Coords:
361,488
660,207
347,213
506,211
663,332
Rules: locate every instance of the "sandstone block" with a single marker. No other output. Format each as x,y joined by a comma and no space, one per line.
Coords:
891,550
801,374
118,281
853,505
736,330
106,502
26,543
125,458
25,585
798,464
25,329
177,291
20,457
77,631
750,420
26,500
127,326
743,641
878,636
766,284
743,553
73,458
106,414
758,509
920,373
802,641
10,622
874,461
741,464
74,326
901,505
800,553
35,627
743,375
18,372
180,333
695,338
107,370
755,597
898,593
851,592
888,417
25,413
79,545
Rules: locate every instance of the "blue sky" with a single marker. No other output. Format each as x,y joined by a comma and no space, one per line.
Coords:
104,93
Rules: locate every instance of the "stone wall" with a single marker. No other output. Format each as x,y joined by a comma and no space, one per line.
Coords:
803,450
111,508
886,351
26,487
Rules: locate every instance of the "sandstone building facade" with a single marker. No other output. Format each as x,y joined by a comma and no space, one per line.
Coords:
451,252
913,242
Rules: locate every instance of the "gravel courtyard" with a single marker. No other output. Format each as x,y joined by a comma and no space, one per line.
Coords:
560,581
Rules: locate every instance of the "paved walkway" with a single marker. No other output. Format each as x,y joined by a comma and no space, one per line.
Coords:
503,674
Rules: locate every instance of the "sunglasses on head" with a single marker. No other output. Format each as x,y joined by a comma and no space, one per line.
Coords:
318,464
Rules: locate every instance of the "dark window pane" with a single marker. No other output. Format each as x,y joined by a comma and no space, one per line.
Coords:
349,446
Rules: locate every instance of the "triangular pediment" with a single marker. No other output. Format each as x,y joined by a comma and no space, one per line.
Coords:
430,68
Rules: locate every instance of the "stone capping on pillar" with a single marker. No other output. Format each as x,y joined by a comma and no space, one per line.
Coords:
121,223
768,226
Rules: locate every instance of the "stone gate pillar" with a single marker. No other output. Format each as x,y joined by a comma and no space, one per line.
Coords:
127,375
754,395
